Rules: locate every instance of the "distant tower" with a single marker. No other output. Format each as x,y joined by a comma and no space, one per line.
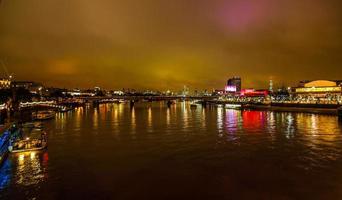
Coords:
271,85
185,91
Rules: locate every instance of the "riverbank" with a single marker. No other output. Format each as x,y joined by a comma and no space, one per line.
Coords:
5,134
313,110
327,109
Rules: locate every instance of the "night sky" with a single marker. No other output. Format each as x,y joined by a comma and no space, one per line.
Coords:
165,44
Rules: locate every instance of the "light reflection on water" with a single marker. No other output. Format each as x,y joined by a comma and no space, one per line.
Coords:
30,169
220,121
133,121
115,144
149,120
25,170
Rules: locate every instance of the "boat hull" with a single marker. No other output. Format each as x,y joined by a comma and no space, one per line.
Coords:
29,149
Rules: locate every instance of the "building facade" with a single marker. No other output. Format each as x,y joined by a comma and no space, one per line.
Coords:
5,83
319,87
320,91
33,87
234,84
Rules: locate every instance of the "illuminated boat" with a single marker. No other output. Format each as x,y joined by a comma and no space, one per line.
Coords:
44,115
233,106
32,125
36,140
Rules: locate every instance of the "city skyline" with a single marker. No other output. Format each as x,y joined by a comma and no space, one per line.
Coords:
165,45
170,99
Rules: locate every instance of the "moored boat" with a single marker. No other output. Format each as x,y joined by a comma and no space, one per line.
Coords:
32,125
43,115
29,140
233,106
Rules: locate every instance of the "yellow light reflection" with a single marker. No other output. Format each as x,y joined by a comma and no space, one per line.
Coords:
149,119
29,169
203,119
21,158
78,118
185,114
220,119
32,155
168,117
133,120
96,119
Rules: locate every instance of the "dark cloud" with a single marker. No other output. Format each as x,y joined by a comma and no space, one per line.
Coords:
165,44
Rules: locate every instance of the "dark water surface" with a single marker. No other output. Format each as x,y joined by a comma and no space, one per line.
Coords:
152,152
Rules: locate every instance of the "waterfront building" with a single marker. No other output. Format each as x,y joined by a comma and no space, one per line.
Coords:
78,92
5,83
118,92
254,93
33,87
233,84
319,91
218,92
271,86
186,91
97,89
319,87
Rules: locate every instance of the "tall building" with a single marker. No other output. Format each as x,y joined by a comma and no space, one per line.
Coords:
234,84
185,91
271,86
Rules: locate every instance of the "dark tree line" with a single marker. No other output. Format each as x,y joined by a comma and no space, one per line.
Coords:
21,94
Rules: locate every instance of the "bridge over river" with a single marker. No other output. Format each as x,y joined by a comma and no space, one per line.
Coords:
148,98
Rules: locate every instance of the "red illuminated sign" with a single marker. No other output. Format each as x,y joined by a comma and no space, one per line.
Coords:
253,92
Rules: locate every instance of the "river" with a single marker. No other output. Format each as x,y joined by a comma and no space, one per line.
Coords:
155,152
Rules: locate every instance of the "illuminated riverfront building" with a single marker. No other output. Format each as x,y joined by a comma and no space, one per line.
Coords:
234,89
78,92
319,87
5,83
254,93
321,90
185,91
33,87
233,84
271,86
